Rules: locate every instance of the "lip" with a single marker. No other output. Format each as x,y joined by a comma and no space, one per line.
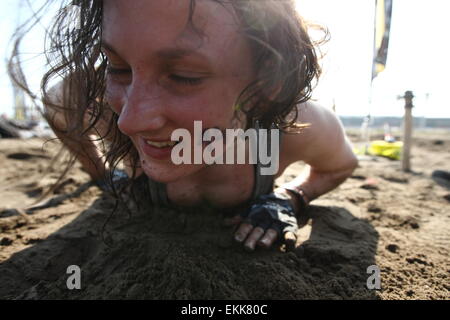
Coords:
156,139
155,152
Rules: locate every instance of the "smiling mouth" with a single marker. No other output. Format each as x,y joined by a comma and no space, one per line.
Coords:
170,143
161,144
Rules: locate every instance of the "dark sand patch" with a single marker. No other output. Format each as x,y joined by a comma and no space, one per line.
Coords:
402,226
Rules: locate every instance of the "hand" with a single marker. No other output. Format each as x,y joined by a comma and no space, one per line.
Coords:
270,218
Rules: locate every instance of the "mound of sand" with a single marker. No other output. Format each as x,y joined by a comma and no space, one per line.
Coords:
397,221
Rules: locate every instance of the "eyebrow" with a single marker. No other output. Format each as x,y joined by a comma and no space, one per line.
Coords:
166,53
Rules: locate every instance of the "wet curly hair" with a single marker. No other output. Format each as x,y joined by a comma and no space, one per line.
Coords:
282,51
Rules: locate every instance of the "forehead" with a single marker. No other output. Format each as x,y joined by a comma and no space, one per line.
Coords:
148,25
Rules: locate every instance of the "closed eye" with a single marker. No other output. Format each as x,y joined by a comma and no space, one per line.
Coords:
176,78
118,71
185,80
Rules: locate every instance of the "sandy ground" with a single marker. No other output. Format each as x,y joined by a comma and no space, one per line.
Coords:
380,216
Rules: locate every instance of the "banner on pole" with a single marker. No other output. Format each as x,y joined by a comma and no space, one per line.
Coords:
383,14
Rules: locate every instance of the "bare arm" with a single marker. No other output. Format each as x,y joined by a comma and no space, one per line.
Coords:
324,148
329,158
82,147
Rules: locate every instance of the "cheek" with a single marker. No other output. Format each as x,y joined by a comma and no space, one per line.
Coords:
219,108
223,101
212,108
115,96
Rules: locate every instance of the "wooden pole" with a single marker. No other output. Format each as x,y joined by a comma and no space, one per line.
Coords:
407,131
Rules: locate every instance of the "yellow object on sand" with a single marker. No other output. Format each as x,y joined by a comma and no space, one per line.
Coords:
391,150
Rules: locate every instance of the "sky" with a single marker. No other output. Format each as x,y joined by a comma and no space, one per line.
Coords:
418,58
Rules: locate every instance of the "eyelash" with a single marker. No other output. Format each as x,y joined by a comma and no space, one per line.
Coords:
117,71
174,77
185,80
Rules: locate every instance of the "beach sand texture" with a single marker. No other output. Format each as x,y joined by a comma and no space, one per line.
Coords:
380,216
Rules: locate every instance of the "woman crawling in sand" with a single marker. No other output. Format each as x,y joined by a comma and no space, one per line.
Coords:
136,71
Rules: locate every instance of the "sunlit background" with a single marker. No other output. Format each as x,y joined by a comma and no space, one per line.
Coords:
418,58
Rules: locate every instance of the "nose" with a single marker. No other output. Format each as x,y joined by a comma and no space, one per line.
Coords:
143,110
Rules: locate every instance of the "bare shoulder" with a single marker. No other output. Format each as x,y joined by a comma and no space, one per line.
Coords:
65,93
54,95
323,144
60,102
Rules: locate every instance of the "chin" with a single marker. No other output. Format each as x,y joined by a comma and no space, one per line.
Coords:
167,173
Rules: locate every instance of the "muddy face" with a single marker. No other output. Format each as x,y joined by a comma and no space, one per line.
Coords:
164,75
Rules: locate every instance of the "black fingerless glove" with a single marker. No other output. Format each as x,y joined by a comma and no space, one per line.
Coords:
273,211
